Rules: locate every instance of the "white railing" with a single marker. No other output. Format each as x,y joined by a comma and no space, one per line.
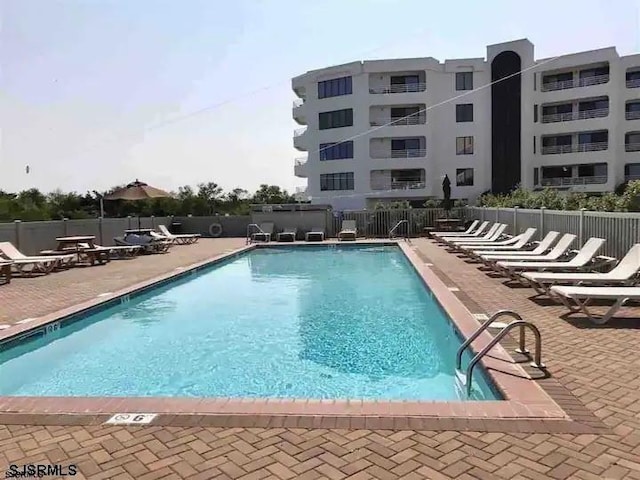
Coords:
405,88
404,185
411,153
632,115
299,131
300,161
569,116
580,82
298,102
634,83
396,121
568,181
576,147
632,147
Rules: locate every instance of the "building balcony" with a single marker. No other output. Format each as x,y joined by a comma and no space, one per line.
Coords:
575,148
575,83
632,147
401,88
633,83
299,139
632,115
300,167
399,121
403,185
412,153
572,181
578,115
298,112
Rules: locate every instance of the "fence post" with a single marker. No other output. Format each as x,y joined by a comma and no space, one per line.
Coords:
581,228
128,222
497,214
65,227
484,210
153,221
542,209
515,220
18,225
100,234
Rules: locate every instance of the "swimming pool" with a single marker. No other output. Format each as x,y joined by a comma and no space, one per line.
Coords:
286,322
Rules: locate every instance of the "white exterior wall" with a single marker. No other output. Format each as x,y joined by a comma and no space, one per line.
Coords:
372,143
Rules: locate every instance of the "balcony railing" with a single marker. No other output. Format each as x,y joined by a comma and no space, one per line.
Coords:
634,83
629,178
404,185
396,121
574,148
632,147
299,131
633,115
569,116
300,161
411,153
298,102
569,181
405,88
579,82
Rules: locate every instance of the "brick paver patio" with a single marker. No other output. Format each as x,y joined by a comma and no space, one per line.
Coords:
600,366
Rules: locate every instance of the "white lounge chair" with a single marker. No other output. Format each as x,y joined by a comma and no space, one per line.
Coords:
624,274
5,269
316,234
288,235
468,231
182,238
481,230
562,248
581,261
491,239
540,249
26,265
511,245
118,251
348,230
577,299
264,235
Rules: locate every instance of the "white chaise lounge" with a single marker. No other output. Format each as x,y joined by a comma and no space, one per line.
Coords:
577,299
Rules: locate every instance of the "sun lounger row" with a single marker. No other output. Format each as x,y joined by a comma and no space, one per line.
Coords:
572,277
316,234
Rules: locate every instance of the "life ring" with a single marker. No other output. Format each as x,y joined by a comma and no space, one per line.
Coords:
215,230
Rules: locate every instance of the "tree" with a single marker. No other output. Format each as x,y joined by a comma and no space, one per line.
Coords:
272,194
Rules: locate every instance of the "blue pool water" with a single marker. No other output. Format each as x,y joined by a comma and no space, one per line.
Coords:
312,322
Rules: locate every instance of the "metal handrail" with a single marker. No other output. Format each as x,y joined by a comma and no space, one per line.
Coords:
400,88
578,115
575,148
396,227
537,355
248,239
483,327
575,82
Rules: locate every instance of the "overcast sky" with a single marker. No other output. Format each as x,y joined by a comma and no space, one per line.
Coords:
90,88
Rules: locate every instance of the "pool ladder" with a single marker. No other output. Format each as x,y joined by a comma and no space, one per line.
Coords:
393,230
466,378
249,238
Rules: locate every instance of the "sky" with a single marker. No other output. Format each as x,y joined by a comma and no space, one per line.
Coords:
97,93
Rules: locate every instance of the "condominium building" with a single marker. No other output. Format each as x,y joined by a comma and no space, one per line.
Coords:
389,130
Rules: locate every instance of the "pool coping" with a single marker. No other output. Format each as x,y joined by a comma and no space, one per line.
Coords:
526,408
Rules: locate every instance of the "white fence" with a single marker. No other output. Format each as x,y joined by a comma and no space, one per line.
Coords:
621,230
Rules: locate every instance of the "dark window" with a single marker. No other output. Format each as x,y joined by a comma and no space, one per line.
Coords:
335,87
632,141
593,137
464,112
464,177
632,170
594,72
632,107
593,105
335,119
408,115
535,82
405,144
336,181
536,176
464,145
336,151
534,144
556,141
557,109
557,172
464,81
557,78
535,113
633,79
593,170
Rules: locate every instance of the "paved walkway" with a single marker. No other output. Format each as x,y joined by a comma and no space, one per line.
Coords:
598,365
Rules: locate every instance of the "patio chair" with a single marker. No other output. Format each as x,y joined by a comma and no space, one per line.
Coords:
348,230
479,231
624,274
265,234
540,249
118,251
494,234
147,244
5,270
287,235
161,238
582,260
316,233
468,231
577,299
512,244
180,239
26,265
561,249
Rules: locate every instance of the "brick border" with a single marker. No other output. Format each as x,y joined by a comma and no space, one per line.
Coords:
526,408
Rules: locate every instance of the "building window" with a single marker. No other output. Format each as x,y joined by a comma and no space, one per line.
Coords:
632,171
464,81
335,87
535,113
336,151
464,145
336,119
336,181
536,176
534,144
464,112
464,177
